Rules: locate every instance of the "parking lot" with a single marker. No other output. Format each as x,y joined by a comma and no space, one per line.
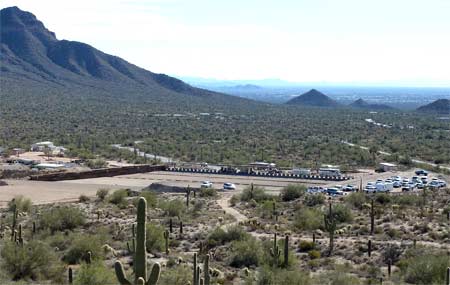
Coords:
49,192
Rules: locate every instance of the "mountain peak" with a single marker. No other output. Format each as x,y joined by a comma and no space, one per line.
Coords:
313,98
440,106
362,104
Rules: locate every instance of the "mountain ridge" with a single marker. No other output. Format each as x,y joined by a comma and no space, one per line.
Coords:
362,104
32,55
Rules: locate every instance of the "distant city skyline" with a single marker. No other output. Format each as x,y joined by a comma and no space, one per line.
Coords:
382,43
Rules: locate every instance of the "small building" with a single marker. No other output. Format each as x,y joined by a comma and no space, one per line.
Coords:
17,151
42,146
386,166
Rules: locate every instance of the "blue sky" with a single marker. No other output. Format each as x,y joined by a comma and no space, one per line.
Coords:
393,42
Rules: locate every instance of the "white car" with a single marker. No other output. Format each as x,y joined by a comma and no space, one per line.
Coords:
229,186
206,184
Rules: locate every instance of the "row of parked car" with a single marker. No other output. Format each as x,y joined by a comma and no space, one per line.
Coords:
337,190
420,181
226,186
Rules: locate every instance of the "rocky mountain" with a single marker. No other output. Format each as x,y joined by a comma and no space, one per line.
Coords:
361,104
441,106
33,61
313,98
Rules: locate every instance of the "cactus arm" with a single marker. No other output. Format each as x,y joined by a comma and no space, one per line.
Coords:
120,274
195,281
154,274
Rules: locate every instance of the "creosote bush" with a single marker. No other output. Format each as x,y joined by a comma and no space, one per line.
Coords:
102,193
246,253
20,203
33,261
221,237
95,273
118,198
62,218
81,244
155,237
292,192
257,194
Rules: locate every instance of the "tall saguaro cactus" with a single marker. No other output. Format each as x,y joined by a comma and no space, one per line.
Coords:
372,218
330,226
286,251
275,250
206,270
140,254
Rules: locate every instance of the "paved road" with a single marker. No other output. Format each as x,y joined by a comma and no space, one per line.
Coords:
389,154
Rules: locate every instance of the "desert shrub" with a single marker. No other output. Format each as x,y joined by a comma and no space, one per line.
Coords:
257,194
62,218
172,208
83,199
292,192
338,278
308,219
266,209
198,207
314,254
102,193
81,244
155,237
234,199
35,261
393,233
392,252
20,203
269,275
246,253
356,200
426,269
305,246
407,200
96,163
383,198
150,197
177,275
220,236
342,213
208,192
59,241
314,200
95,273
118,198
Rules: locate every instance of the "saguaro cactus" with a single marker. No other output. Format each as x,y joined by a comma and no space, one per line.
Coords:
369,247
171,225
372,218
330,226
140,255
188,194
14,221
181,229
70,275
286,251
195,281
206,270
275,251
166,240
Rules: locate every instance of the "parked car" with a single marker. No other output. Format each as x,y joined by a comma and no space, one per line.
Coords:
421,172
334,192
349,188
370,189
229,186
206,184
397,184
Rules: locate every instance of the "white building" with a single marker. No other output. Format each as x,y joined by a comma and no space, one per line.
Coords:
388,166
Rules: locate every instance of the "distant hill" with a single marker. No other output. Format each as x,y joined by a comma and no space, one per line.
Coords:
361,104
441,106
34,62
313,98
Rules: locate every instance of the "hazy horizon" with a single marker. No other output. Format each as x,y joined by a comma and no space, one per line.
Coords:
401,43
